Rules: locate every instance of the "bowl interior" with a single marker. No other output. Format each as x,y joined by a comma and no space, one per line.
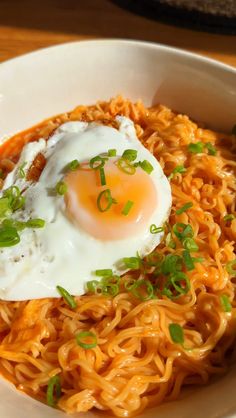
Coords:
50,81
53,80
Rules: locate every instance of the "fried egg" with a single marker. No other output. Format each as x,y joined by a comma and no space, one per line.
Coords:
95,222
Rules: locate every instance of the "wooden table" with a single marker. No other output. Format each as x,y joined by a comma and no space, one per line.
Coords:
26,25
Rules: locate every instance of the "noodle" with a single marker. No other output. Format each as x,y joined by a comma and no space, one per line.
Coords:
135,363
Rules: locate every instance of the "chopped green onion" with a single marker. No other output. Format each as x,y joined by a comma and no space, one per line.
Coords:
111,152
13,223
188,260
5,209
8,237
127,207
84,336
169,241
225,303
70,300
109,201
231,267
132,262
102,176
73,165
97,162
174,286
130,154
22,171
190,244
53,385
16,200
234,130
136,287
61,188
18,203
109,286
182,231
35,223
146,166
110,289
125,166
1,173
229,217
104,272
178,169
211,149
184,208
92,285
196,148
154,259
156,230
176,333
171,264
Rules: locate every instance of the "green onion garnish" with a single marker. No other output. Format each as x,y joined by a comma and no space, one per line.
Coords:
177,285
229,217
156,230
5,209
184,208
73,165
1,173
54,385
125,166
35,223
86,339
196,148
190,244
102,176
130,154
109,289
108,286
188,260
111,152
234,130
61,188
127,207
171,264
92,285
231,267
16,200
22,171
97,162
105,200
8,236
176,333
70,300
225,303
146,166
169,241
104,272
178,169
182,231
13,223
211,149
133,263
137,286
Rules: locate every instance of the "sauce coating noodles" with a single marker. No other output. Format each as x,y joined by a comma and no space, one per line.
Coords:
135,363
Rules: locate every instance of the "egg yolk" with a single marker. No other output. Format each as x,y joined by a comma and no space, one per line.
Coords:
89,205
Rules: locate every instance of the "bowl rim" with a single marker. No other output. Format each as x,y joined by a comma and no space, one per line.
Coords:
127,42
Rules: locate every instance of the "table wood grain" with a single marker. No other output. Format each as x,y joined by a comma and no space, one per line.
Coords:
26,25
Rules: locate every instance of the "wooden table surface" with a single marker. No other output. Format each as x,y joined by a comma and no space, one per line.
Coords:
26,25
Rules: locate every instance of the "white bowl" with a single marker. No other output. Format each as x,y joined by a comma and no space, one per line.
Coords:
56,79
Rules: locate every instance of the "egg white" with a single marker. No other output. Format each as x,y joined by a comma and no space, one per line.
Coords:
60,253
